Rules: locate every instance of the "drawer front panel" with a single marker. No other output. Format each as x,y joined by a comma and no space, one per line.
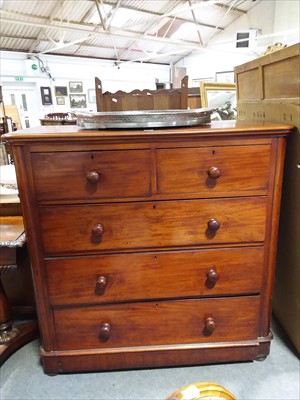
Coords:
155,323
213,169
91,175
141,276
144,225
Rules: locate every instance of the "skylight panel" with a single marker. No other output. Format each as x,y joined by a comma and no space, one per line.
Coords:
184,31
95,17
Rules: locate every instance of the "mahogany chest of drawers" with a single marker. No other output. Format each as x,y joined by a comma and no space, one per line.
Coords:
151,248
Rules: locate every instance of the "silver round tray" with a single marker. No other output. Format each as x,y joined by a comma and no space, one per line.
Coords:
143,118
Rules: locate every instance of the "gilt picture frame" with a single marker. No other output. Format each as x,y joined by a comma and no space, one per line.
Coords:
216,94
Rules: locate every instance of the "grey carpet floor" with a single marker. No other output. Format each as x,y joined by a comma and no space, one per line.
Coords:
277,377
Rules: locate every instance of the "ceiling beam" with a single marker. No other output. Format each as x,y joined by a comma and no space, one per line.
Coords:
196,22
118,33
169,14
148,29
158,15
40,35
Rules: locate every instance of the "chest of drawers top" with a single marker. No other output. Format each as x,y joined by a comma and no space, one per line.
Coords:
218,160
214,130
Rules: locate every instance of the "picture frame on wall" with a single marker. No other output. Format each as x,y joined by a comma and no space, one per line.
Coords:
75,87
78,100
61,91
60,101
196,82
46,95
92,95
225,76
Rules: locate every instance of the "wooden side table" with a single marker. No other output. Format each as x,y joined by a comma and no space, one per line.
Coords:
12,241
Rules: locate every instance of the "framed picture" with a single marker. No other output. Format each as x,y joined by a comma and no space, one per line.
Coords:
60,101
225,76
78,100
76,87
214,94
196,82
61,90
221,97
46,95
92,95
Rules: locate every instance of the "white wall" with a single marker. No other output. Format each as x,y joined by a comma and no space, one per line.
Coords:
286,21
277,20
127,77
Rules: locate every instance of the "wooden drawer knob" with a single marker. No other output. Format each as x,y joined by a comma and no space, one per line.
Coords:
213,225
104,331
209,326
212,277
101,284
98,230
214,172
93,177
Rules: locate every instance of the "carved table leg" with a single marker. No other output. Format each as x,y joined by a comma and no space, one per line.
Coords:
12,335
8,332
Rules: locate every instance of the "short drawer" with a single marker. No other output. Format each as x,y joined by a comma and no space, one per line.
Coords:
69,229
162,275
210,170
157,323
91,175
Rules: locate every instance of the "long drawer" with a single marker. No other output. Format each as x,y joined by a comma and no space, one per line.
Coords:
213,169
157,323
139,276
66,229
91,175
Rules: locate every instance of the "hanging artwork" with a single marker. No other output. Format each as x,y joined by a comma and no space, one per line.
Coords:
78,100
92,95
46,95
60,101
76,87
61,91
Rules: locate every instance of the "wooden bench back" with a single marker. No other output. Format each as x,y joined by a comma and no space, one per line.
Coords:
163,99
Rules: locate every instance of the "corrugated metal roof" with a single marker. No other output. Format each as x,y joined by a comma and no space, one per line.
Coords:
160,31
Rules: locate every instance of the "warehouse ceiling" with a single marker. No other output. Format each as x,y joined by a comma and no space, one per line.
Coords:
156,31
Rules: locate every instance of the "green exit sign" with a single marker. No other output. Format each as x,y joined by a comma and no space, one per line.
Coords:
19,78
